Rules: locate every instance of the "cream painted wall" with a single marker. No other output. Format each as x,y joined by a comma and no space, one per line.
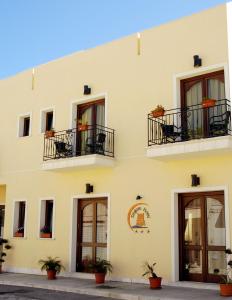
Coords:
134,85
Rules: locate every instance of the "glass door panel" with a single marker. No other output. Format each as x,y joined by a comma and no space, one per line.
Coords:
216,223
87,224
193,260
192,233
217,262
101,223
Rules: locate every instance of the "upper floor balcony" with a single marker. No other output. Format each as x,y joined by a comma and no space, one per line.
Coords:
86,145
194,129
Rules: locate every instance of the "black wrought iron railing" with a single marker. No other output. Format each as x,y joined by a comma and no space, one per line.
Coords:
80,141
192,122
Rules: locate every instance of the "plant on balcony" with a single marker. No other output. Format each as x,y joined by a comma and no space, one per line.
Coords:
4,245
158,111
208,102
226,284
45,232
100,267
53,266
19,232
155,281
50,133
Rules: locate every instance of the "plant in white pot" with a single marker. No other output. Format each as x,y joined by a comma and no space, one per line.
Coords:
155,281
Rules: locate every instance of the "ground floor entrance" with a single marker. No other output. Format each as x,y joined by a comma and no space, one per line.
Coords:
91,231
202,236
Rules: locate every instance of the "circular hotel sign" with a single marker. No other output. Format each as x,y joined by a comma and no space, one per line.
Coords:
138,218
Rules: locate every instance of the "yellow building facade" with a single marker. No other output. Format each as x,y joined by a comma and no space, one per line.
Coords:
113,180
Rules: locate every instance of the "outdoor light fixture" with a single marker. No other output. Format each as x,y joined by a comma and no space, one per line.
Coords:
87,90
197,61
138,197
195,180
89,188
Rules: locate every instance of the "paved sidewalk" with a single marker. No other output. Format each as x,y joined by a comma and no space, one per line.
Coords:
117,290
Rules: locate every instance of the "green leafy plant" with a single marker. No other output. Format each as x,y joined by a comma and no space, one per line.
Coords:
149,270
100,266
228,278
51,264
4,244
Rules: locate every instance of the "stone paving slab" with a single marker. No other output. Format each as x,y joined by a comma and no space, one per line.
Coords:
117,290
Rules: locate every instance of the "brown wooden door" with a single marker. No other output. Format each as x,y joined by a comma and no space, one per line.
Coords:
202,236
193,90
91,231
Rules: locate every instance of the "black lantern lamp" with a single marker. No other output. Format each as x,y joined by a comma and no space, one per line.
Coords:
89,188
87,90
139,197
197,61
195,180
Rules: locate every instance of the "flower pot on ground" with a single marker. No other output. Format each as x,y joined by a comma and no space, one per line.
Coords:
158,111
53,266
207,102
45,232
155,281
19,232
49,133
4,245
226,284
100,267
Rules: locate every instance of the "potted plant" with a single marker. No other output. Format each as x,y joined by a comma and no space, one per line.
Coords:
53,266
100,267
82,126
208,102
158,111
45,232
50,133
4,244
155,281
226,284
19,232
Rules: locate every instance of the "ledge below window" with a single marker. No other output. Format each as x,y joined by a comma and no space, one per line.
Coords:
94,160
193,148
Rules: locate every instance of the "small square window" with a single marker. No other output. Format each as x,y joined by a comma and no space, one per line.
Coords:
24,126
46,219
19,218
47,120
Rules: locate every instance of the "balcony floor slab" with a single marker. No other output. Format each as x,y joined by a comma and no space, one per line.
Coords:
215,145
93,160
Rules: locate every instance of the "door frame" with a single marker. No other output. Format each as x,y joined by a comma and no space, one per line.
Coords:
175,222
73,228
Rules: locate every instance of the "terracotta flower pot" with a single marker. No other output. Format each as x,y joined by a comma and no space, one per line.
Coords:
158,113
100,277
49,133
51,274
226,289
155,283
208,103
45,235
19,234
82,127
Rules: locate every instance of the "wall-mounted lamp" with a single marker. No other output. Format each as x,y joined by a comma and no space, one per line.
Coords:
138,197
197,61
89,188
195,180
87,90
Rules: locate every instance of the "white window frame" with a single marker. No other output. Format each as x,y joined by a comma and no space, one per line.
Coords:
20,125
16,218
41,217
43,112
